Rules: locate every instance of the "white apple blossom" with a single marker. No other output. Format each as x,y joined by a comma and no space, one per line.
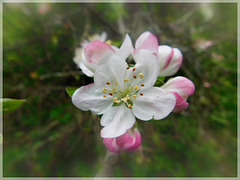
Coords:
89,54
121,93
79,56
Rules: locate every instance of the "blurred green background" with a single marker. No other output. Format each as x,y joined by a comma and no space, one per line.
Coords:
48,136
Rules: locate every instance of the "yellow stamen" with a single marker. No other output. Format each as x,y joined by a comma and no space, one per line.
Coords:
134,96
116,100
126,80
116,83
124,99
109,42
104,96
104,90
130,106
136,87
141,75
114,90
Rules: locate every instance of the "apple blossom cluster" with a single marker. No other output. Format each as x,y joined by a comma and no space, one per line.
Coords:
122,92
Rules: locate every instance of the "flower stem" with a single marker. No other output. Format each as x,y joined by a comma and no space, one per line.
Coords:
108,163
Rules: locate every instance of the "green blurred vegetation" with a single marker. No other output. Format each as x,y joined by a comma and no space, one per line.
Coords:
48,136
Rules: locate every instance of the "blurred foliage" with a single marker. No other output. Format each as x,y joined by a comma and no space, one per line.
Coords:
48,136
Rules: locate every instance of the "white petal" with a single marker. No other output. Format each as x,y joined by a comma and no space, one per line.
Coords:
91,98
86,70
126,48
118,120
78,55
147,64
155,103
102,37
110,69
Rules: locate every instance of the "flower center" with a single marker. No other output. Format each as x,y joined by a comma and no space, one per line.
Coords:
131,88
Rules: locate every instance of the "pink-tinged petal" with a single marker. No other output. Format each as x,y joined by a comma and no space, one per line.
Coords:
110,144
147,64
126,48
86,67
174,65
127,139
136,143
91,98
181,85
181,104
165,55
120,117
147,41
110,69
154,103
96,50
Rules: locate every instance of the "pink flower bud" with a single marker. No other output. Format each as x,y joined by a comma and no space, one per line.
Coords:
182,88
129,141
170,60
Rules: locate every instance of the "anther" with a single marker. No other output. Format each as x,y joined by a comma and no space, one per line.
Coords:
136,87
141,94
134,76
130,106
116,83
104,96
128,67
141,75
114,90
116,100
142,85
104,90
110,93
134,69
126,80
134,96
108,83
124,99
109,42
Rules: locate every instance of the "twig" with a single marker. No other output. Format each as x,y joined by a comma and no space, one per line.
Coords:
60,74
184,17
108,163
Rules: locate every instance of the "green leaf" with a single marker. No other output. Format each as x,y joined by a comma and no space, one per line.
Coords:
71,90
10,105
160,81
